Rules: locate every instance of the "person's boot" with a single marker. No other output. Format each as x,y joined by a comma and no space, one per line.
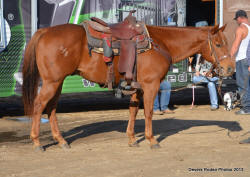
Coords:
245,141
242,112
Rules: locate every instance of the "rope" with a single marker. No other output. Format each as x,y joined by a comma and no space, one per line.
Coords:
193,98
193,87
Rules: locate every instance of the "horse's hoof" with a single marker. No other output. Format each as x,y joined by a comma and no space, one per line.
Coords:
135,144
155,146
65,146
39,149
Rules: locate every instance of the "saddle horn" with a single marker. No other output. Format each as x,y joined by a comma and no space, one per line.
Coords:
131,12
130,18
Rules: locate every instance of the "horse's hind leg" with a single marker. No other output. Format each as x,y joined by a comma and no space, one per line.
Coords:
51,111
133,110
47,92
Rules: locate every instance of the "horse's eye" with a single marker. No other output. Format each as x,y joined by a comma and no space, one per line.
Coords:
218,45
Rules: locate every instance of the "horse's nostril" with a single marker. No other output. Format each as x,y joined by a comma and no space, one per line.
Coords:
229,70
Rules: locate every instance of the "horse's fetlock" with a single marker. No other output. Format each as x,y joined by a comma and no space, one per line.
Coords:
34,137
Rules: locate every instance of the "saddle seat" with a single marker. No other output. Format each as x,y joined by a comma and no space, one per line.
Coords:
124,30
96,31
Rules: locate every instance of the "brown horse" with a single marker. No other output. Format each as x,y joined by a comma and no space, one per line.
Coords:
54,53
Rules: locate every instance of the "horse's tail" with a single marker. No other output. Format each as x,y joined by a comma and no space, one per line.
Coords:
30,73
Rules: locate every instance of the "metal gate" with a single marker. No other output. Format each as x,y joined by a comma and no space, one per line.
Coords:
149,12
152,12
155,12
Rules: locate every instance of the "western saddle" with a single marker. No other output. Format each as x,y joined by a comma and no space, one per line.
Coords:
126,39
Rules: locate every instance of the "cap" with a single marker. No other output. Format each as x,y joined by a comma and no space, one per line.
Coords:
240,13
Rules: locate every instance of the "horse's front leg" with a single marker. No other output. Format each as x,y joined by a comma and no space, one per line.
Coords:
150,92
133,110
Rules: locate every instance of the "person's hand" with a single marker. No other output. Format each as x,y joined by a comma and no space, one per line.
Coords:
208,74
197,73
248,68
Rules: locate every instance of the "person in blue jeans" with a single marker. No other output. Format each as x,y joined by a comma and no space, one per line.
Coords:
240,49
162,99
202,75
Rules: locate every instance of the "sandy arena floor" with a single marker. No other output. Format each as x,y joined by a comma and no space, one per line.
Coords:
194,142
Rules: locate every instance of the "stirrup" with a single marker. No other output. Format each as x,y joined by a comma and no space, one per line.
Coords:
125,85
135,85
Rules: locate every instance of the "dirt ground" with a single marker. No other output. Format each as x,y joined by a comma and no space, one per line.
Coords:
194,142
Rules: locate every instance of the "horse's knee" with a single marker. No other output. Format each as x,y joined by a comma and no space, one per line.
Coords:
149,113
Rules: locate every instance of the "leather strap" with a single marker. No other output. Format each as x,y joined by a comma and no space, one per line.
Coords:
110,76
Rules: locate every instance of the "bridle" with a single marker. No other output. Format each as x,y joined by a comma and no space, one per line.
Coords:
213,53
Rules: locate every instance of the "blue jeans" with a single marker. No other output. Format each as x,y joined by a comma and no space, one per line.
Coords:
211,88
163,96
243,83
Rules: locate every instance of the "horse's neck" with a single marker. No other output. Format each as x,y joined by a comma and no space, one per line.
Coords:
183,55
186,42
181,42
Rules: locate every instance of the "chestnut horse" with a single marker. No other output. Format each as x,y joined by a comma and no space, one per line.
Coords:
54,53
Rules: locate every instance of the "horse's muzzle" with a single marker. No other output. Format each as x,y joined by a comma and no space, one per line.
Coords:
226,71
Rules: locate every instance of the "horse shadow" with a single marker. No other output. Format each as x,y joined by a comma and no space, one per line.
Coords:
161,128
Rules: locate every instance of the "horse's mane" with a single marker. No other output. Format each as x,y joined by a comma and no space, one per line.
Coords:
178,29
173,37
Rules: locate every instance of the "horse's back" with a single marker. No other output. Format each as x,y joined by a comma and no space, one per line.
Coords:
65,32
59,50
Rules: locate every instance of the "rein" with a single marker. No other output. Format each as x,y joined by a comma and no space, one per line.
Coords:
218,67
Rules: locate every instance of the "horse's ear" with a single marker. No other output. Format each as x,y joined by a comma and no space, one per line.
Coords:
223,28
215,29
